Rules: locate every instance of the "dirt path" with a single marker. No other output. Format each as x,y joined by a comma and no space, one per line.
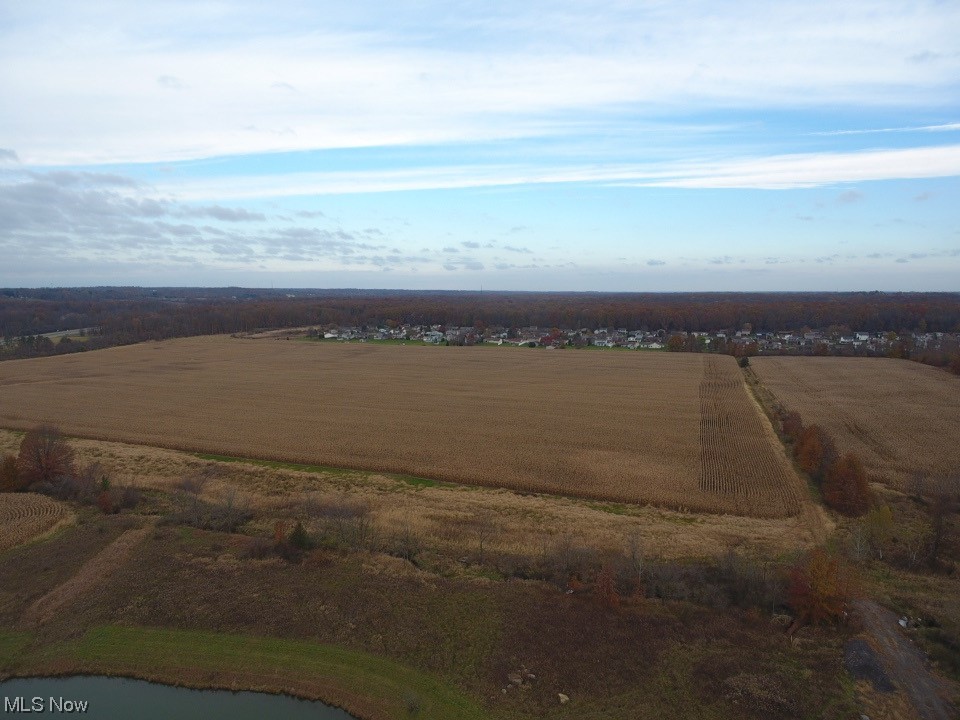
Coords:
92,573
904,663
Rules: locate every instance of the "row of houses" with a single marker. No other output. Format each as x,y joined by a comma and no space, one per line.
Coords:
787,341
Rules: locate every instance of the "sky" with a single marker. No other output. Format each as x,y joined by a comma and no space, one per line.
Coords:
655,145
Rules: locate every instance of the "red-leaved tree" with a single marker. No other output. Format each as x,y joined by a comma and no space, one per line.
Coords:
845,486
814,451
821,587
605,588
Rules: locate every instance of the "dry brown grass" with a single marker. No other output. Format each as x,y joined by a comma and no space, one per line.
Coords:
451,517
612,426
93,573
900,417
24,516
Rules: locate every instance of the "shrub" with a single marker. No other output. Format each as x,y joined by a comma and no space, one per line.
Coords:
406,544
299,537
259,548
9,476
605,588
567,559
105,502
226,515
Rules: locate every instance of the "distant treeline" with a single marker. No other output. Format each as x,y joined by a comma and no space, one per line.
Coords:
127,315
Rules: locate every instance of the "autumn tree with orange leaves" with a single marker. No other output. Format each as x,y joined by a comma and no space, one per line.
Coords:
814,451
820,590
845,486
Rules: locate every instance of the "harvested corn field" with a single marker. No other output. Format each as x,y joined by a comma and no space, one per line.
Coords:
23,516
613,426
901,417
737,466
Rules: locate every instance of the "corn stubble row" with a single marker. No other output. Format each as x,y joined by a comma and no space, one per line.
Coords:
737,464
900,417
619,426
24,515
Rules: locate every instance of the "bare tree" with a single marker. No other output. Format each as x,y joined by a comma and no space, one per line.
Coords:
45,457
944,501
636,556
484,528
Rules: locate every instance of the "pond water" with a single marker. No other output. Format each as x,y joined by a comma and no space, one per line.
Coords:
108,698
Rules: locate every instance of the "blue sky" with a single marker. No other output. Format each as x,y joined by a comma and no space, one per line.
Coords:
628,146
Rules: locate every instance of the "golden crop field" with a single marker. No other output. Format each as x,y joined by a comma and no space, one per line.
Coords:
901,417
25,515
673,430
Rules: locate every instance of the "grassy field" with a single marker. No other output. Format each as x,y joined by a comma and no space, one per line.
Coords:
368,684
338,626
672,430
900,417
456,516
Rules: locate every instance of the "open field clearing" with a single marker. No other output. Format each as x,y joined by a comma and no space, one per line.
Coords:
626,427
901,417
453,517
23,516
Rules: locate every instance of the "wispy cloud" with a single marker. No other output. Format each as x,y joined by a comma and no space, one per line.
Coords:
848,197
801,170
945,127
170,83
430,75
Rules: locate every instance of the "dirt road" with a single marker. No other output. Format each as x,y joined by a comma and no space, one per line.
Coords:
904,663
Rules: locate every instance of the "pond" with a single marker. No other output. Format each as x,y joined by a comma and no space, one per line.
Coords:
106,698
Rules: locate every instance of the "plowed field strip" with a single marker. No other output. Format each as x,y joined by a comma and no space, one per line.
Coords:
96,570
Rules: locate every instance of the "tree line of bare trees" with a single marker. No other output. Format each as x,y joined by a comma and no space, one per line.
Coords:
135,314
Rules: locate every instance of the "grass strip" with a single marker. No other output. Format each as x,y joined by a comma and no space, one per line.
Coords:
390,687
12,646
321,469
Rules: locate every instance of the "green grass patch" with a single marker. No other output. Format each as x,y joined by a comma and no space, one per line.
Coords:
678,519
615,508
278,464
416,481
12,646
157,651
322,469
